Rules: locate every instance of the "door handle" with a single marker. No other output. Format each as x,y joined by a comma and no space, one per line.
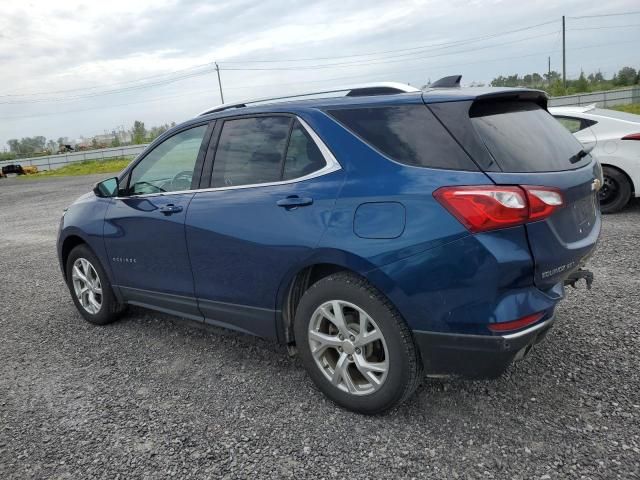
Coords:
294,201
170,209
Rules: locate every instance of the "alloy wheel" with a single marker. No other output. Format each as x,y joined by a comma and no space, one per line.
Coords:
348,347
87,285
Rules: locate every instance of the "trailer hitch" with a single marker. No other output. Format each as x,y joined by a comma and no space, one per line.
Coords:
581,273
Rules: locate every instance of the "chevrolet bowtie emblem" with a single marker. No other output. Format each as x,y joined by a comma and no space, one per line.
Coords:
596,184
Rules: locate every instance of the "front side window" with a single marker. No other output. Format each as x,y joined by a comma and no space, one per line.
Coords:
170,166
250,151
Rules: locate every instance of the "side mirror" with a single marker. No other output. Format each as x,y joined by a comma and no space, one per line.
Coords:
106,188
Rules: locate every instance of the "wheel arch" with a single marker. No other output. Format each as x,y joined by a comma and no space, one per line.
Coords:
68,244
634,190
299,279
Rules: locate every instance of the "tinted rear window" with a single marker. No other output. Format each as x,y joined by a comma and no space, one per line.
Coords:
408,134
523,137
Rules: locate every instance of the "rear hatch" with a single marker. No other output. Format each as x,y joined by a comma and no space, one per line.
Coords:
527,146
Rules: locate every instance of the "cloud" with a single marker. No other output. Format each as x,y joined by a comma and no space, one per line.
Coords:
71,44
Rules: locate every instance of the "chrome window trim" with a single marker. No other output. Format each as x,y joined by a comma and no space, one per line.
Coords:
331,165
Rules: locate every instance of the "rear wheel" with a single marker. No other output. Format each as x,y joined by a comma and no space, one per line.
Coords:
355,346
615,192
90,288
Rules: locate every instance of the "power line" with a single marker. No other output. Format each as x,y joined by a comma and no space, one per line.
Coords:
107,92
435,46
422,47
608,26
108,85
605,15
381,60
192,93
189,72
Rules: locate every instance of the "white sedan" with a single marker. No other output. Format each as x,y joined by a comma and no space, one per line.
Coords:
614,139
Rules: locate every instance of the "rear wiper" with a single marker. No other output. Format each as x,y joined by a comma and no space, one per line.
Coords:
578,156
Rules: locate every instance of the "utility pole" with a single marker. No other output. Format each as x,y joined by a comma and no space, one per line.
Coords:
549,70
220,81
564,57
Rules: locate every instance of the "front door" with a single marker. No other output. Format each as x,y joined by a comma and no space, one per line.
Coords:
144,228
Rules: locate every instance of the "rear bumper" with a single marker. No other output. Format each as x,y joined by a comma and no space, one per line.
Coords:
476,356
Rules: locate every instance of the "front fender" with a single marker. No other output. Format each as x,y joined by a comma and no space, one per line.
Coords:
84,220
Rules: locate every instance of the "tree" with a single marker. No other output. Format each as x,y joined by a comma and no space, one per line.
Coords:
581,85
138,132
52,146
14,145
115,142
626,76
155,132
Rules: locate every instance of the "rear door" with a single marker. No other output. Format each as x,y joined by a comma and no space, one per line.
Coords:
531,148
272,188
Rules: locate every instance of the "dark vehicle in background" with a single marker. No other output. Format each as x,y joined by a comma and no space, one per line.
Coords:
382,234
12,169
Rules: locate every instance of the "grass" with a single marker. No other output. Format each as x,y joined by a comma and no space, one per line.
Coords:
87,167
632,108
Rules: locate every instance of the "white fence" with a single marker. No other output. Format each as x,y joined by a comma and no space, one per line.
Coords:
610,98
50,162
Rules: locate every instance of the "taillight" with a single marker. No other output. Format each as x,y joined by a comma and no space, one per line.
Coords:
632,136
516,324
542,201
489,207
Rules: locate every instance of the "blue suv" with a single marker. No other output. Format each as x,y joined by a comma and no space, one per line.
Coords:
380,231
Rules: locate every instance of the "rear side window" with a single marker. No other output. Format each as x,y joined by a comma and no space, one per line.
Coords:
408,134
250,151
523,137
303,155
574,124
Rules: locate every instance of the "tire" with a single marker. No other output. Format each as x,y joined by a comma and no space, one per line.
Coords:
616,191
109,308
360,389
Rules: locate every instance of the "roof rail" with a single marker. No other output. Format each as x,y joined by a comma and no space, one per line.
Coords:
378,88
452,81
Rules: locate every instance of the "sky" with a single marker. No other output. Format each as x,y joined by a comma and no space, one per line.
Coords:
78,68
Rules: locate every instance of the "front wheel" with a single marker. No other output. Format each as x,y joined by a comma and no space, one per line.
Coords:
355,346
90,288
615,192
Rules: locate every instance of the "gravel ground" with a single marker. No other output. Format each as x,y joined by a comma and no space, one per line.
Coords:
153,397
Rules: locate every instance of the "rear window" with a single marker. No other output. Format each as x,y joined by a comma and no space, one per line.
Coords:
408,134
523,137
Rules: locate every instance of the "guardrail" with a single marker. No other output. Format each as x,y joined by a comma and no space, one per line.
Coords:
51,162
624,96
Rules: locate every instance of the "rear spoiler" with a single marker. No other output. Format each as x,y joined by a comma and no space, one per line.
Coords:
537,96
